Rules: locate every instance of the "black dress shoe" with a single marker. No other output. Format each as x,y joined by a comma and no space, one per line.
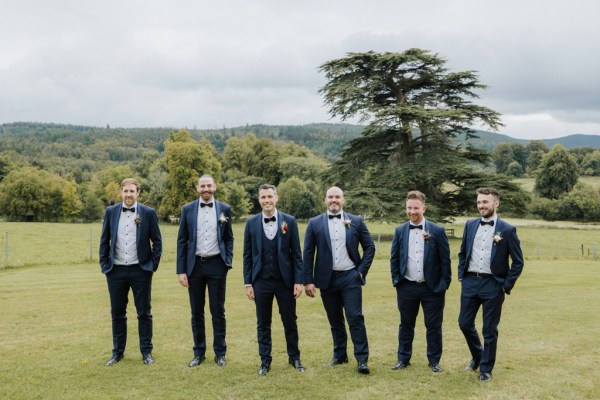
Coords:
148,359
435,367
336,361
264,369
400,365
114,359
197,361
485,376
363,368
472,366
220,360
297,364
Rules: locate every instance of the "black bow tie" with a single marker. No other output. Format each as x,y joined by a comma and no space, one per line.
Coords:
490,223
331,216
132,209
267,220
202,205
416,226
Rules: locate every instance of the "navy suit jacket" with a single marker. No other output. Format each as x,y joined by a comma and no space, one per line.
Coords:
288,249
187,236
318,270
509,245
148,238
436,256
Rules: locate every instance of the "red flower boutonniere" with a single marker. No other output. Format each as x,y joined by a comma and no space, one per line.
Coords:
284,228
138,220
426,235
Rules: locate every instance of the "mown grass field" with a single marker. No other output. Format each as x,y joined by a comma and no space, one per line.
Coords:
55,329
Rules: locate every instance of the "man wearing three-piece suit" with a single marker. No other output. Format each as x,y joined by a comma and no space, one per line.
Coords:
204,256
130,250
421,274
273,269
339,271
486,276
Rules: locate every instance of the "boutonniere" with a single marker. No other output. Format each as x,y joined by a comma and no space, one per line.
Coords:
223,219
426,235
284,228
497,237
347,223
138,220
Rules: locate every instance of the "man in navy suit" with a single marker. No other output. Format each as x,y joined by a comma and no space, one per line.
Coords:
421,274
204,255
130,250
273,269
339,271
486,276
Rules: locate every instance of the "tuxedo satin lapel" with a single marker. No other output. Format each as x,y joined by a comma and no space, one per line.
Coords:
325,227
426,242
472,233
499,228
114,219
405,240
258,230
218,211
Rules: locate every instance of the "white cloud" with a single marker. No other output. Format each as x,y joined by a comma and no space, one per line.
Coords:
210,64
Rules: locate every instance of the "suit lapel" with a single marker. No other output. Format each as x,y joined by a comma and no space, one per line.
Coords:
426,244
325,219
405,240
116,214
218,211
258,229
498,228
473,231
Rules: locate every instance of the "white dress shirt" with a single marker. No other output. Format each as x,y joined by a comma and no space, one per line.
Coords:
207,243
337,234
481,254
125,247
270,227
416,251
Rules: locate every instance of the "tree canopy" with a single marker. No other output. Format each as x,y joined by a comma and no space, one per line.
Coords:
414,107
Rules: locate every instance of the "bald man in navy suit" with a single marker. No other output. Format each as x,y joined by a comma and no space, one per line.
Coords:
487,276
333,264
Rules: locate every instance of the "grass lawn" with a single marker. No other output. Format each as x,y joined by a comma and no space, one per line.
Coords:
55,331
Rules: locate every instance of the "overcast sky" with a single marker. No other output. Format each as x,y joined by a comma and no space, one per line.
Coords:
226,63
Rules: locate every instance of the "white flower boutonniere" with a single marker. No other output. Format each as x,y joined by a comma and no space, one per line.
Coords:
426,235
497,237
284,228
347,223
223,219
138,220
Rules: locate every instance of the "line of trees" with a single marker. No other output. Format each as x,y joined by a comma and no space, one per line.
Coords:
418,117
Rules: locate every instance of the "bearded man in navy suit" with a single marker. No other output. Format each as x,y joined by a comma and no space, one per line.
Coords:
486,276
204,255
273,269
421,274
130,250
333,264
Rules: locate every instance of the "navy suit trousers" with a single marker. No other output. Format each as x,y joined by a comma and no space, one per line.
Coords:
410,296
487,293
120,279
212,274
345,294
264,292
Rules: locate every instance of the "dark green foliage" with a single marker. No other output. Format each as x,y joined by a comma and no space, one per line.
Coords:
558,173
415,109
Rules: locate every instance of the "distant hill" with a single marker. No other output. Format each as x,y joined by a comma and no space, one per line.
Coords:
489,140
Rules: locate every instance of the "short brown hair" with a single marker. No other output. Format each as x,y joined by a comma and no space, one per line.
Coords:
267,186
487,191
131,181
416,195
